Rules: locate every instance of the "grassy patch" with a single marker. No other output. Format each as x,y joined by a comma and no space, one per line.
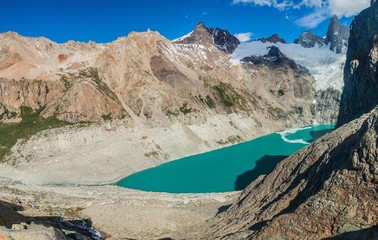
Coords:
8,114
185,110
93,74
31,123
107,117
231,140
208,101
154,154
228,95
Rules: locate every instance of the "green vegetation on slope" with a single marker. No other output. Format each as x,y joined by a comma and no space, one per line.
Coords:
32,122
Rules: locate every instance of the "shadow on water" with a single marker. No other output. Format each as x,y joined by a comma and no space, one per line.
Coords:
318,134
263,166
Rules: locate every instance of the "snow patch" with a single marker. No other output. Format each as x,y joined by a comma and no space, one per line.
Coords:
285,133
182,38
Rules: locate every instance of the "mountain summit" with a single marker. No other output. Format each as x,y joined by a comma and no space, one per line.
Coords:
336,37
222,39
308,39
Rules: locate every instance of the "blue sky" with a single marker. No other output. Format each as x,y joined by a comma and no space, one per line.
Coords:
106,20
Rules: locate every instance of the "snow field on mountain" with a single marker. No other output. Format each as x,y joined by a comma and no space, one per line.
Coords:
324,65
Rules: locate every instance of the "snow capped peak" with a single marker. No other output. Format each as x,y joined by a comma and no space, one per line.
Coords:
222,39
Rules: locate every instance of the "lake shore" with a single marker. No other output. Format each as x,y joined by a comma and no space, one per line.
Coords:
104,154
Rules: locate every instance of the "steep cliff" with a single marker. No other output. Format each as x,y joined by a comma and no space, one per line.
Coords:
360,73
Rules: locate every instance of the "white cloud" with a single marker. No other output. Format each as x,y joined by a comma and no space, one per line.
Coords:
322,9
347,8
244,37
279,4
314,19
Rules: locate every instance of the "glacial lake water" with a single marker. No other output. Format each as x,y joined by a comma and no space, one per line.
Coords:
227,169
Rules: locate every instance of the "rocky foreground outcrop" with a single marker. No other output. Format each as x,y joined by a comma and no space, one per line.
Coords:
327,190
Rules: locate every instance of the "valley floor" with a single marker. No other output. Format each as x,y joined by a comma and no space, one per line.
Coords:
118,212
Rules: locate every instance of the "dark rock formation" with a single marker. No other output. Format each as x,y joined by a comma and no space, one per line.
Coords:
275,58
309,40
337,36
360,72
222,39
272,39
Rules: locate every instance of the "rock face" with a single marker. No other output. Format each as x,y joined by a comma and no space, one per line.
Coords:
275,58
360,73
326,104
272,39
309,40
222,39
326,190
337,36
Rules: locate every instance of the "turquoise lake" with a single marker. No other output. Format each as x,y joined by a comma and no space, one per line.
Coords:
227,169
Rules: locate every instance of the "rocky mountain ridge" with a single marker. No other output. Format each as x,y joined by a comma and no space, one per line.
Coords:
272,39
336,37
308,39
